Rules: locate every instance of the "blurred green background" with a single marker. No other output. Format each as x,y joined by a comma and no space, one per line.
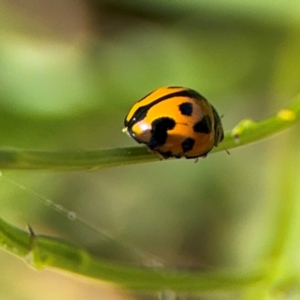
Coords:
69,73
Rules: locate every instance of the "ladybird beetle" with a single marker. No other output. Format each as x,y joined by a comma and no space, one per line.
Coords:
175,122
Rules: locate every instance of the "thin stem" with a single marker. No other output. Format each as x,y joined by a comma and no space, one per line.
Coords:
41,252
246,132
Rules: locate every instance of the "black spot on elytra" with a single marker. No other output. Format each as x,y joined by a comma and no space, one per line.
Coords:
203,126
186,108
159,132
187,144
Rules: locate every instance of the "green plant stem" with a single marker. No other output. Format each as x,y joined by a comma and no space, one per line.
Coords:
41,251
246,132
